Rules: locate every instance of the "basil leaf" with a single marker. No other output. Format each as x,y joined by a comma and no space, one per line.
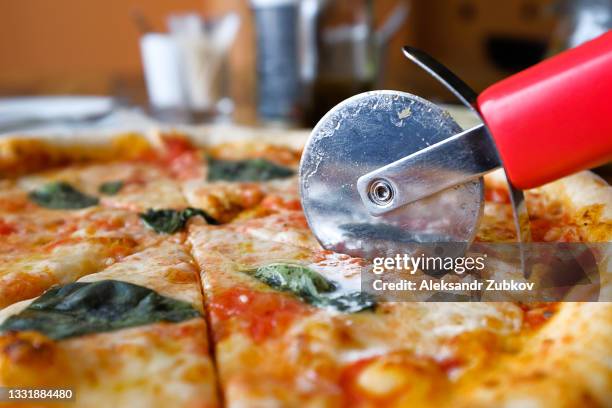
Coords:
246,170
294,278
192,212
312,287
169,221
110,187
61,195
163,221
82,308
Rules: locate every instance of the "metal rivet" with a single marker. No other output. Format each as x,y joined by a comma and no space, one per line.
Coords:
381,192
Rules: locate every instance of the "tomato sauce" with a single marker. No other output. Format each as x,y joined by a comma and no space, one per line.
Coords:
277,203
261,314
6,228
353,396
181,157
17,203
536,315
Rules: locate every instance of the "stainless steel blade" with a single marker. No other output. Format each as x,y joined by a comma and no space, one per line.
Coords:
362,134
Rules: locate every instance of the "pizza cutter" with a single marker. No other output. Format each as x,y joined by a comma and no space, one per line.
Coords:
385,172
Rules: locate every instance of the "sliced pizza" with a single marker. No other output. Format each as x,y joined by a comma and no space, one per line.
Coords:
99,232
270,306
291,327
132,335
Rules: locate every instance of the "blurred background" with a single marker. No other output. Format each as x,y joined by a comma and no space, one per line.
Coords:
281,62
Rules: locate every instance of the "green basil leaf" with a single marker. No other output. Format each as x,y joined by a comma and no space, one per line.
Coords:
294,278
82,308
163,221
169,221
61,195
192,212
110,187
312,287
246,170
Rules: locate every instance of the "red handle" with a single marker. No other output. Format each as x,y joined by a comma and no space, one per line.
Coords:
554,118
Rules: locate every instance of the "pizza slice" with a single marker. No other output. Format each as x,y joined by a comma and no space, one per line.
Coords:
399,354
41,248
132,335
291,328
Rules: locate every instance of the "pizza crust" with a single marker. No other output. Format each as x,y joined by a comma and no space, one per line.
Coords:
20,154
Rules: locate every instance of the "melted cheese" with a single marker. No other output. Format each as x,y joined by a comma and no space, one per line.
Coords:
156,365
565,364
88,178
56,247
324,342
156,194
288,227
27,276
227,201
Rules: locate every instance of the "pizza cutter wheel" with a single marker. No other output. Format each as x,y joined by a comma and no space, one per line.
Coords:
386,172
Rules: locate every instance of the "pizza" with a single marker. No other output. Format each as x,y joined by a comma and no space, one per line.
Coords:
179,270
87,336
